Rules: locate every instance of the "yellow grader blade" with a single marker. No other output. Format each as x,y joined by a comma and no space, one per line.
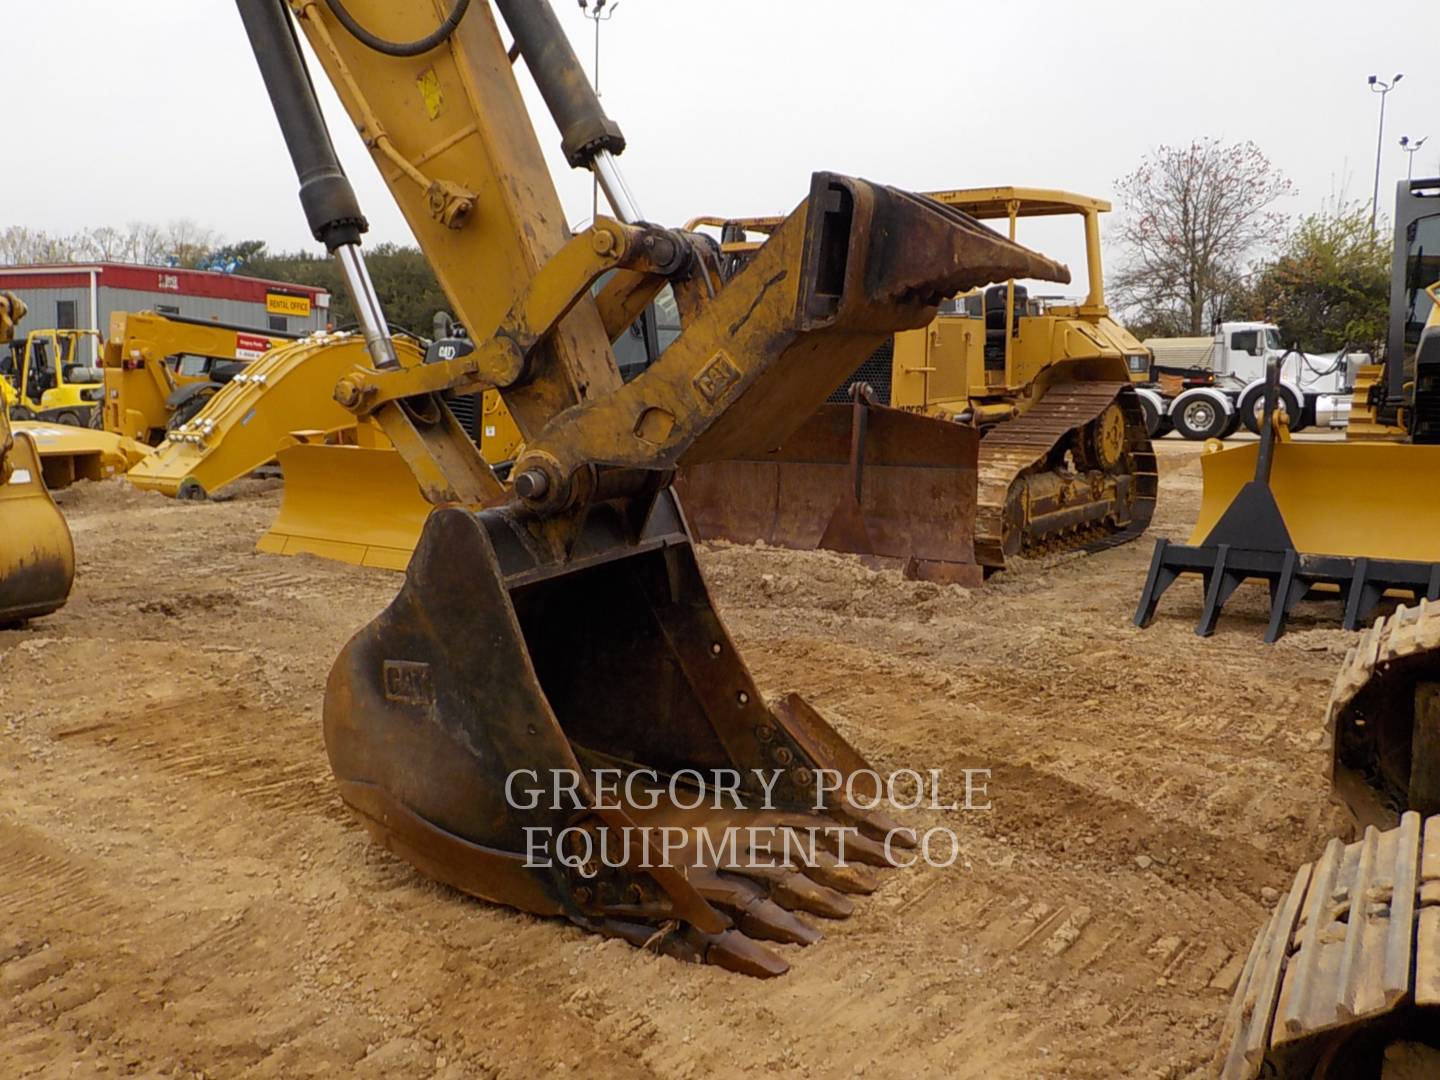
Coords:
69,453
37,556
241,428
354,504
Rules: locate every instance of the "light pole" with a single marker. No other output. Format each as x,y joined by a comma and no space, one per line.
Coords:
1410,148
597,12
1381,88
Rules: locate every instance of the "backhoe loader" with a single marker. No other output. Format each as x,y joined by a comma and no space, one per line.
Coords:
1352,520
37,556
1063,459
556,632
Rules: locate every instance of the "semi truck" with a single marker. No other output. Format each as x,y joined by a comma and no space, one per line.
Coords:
1209,387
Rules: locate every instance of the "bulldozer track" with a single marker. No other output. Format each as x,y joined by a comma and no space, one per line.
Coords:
1408,633
1027,445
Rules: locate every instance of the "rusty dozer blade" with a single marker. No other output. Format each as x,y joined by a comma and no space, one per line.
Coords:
896,488
1342,515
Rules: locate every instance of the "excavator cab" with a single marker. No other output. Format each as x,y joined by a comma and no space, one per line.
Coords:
554,642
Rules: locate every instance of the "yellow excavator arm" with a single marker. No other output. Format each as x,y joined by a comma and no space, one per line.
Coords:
560,627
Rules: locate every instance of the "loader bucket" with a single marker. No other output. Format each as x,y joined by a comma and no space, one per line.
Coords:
472,724
1343,516
354,504
896,488
37,556
69,453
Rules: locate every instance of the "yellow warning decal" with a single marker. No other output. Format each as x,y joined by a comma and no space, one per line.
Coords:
429,84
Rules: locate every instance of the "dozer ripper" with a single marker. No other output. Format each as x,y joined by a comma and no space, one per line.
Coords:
37,556
890,468
1350,520
560,626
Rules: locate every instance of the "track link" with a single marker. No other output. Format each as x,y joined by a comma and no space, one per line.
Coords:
1122,500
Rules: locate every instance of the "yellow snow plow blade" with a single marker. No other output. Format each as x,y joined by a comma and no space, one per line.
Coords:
1356,499
288,389
69,453
354,504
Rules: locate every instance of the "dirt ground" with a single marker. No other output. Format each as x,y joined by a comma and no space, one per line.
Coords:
182,893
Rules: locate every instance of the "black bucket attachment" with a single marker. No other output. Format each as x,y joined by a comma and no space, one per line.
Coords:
500,671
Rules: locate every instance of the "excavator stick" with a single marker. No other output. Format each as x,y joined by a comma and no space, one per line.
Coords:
37,556
1341,515
896,488
557,634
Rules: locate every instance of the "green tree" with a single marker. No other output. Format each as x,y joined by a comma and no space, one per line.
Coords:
1330,286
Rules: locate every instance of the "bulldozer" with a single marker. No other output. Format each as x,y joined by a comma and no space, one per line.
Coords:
895,472
160,370
1343,520
553,640
37,556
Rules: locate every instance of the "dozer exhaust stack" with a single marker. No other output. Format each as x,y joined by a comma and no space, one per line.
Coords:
551,714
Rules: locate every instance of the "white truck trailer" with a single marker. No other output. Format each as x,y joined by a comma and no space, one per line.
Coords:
1208,387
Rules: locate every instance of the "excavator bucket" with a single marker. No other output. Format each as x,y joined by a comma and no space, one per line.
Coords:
473,724
896,488
37,556
354,504
1338,516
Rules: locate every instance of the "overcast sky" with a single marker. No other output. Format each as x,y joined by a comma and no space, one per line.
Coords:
152,110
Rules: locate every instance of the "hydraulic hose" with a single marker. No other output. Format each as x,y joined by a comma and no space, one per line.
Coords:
399,48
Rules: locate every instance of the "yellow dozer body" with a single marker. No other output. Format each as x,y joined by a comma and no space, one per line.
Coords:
159,370
37,555
559,627
1060,458
1352,519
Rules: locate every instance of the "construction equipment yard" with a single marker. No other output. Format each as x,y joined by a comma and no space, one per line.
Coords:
183,893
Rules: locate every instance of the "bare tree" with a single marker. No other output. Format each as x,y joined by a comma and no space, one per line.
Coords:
1192,219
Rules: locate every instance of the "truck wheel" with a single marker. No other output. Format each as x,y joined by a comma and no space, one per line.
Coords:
1232,425
1252,408
1153,419
68,416
1199,416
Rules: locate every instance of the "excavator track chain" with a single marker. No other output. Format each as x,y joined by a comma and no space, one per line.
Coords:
1383,720
1083,509
1344,979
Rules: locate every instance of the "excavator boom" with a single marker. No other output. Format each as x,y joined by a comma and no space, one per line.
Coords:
560,626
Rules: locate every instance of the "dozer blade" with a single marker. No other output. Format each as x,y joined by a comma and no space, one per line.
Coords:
354,504
37,556
499,680
896,488
1345,515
